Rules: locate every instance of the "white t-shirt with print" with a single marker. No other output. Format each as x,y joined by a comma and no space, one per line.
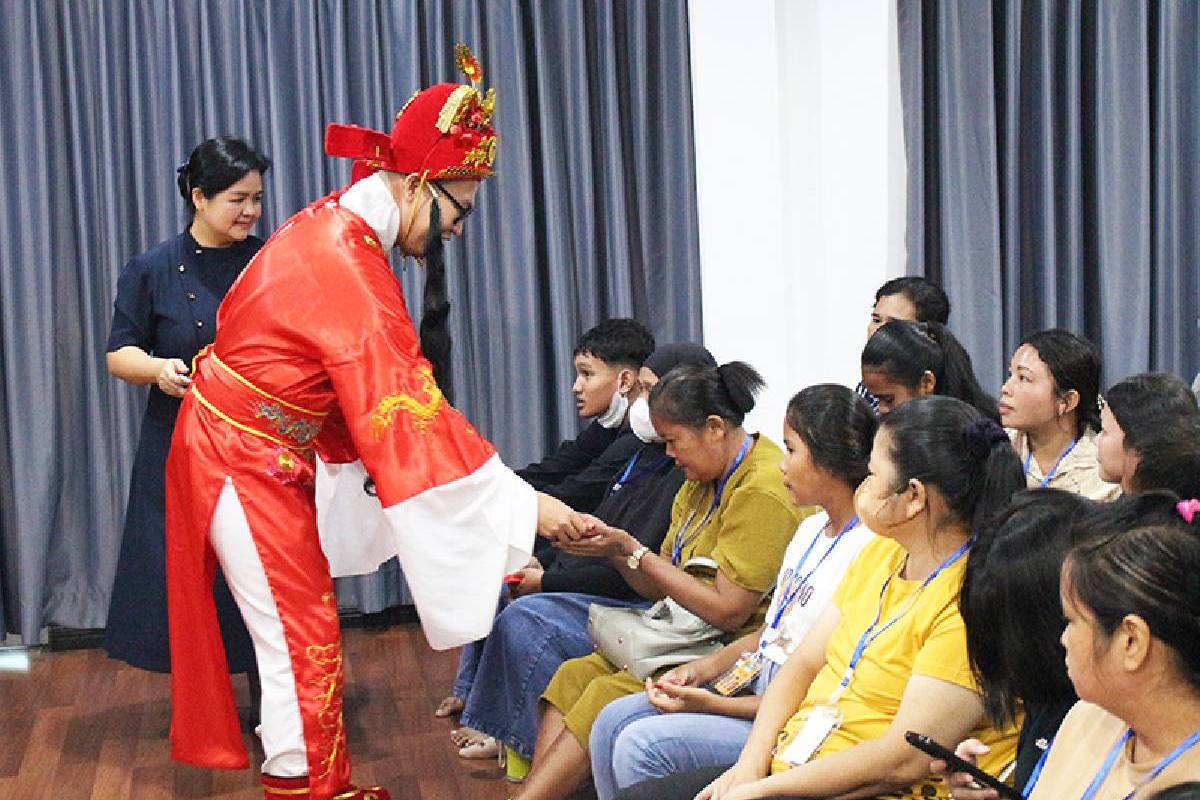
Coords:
833,557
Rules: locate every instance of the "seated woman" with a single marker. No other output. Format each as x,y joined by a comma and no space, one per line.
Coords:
1010,605
676,726
905,360
733,511
1136,410
889,653
1050,405
501,677
632,499
1132,607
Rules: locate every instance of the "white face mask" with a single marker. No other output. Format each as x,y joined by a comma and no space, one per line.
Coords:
615,415
639,420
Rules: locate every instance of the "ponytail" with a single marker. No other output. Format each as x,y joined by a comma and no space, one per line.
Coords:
741,382
905,351
691,393
948,445
999,482
957,378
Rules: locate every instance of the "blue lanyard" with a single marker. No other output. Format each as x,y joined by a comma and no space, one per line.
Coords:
1046,478
795,583
1037,769
680,540
1111,758
871,634
625,480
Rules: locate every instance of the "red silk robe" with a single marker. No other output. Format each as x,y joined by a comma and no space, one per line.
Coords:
315,354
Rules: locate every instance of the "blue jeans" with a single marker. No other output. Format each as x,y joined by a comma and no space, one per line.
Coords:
632,741
468,659
529,640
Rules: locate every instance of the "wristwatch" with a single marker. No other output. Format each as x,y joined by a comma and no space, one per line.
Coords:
634,560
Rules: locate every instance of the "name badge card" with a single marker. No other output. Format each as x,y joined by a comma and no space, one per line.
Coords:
820,722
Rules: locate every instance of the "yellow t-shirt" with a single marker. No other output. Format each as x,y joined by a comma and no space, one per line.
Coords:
1084,739
749,530
929,639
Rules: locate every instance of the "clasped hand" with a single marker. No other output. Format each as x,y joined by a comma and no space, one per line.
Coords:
676,692
600,541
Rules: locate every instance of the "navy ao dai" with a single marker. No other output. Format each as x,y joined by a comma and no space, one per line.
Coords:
166,304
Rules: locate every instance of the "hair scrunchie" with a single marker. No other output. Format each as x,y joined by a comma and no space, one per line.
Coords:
981,436
1188,509
183,180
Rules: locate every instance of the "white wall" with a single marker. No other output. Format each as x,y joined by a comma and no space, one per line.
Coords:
800,181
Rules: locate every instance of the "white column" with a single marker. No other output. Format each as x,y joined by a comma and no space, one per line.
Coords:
800,182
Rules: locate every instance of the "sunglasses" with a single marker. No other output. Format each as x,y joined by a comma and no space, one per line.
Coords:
463,211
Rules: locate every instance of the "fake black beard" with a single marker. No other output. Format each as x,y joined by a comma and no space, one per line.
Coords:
435,306
435,312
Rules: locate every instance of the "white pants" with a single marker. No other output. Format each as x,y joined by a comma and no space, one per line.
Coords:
281,729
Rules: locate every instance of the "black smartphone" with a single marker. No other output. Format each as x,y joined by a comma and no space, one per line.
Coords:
929,746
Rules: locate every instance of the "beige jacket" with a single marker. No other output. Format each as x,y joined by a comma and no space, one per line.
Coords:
1079,472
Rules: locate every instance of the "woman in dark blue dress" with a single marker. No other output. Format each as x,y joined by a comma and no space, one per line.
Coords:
164,312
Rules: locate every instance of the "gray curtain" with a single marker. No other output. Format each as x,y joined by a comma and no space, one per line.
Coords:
1053,150
593,215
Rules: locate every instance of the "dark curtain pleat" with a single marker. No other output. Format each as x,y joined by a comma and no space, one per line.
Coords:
1052,149
593,215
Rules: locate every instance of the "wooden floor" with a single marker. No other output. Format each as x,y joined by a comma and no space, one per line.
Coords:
80,725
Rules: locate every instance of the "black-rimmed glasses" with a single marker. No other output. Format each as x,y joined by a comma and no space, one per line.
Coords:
463,211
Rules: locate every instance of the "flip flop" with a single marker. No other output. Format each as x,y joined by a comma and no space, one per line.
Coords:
449,707
465,736
486,747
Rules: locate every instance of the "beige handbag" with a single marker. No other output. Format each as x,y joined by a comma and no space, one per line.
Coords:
644,641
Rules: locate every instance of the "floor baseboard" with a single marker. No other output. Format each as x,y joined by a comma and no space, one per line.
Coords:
62,638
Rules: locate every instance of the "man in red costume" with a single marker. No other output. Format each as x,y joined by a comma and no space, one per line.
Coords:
316,355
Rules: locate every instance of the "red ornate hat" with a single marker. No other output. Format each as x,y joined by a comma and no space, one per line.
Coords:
444,132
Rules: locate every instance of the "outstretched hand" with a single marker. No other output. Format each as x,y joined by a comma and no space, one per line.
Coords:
558,521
